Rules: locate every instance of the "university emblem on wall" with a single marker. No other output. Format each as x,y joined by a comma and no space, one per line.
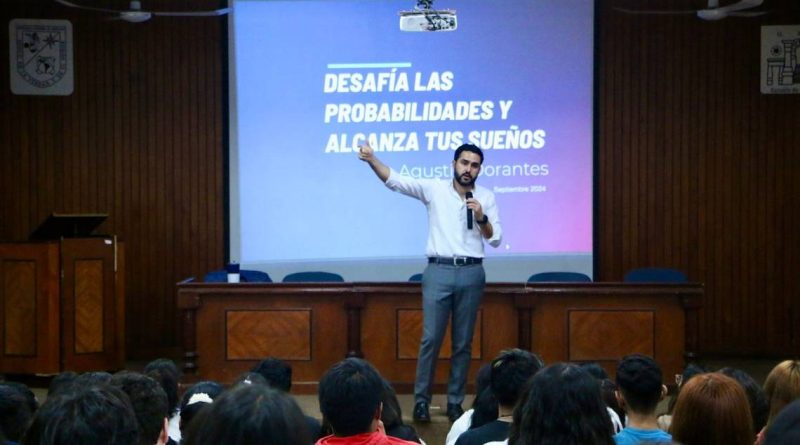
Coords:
780,59
41,57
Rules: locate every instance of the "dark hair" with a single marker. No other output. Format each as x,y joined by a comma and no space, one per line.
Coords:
92,378
188,412
510,371
15,410
276,372
595,370
640,381
468,147
759,407
250,415
88,415
484,407
60,382
392,415
166,373
563,406
149,402
349,396
691,370
712,409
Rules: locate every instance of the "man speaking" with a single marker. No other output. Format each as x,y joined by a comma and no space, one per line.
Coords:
460,216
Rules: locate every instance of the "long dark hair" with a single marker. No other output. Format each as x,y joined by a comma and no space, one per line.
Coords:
562,406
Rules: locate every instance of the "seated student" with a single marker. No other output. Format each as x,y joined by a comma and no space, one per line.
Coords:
785,427
483,410
250,415
759,407
350,401
781,387
88,415
639,389
608,390
691,370
562,406
392,416
712,409
197,397
16,410
149,402
510,372
278,375
166,373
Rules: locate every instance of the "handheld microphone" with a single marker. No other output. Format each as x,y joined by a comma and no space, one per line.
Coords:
469,212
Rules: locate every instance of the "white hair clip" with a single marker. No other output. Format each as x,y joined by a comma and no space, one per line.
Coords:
199,397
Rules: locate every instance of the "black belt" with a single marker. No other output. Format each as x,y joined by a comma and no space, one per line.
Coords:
455,261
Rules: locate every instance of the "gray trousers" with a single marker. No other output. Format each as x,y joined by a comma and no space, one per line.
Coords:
448,290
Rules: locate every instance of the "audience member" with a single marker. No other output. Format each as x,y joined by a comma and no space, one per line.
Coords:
392,416
197,397
278,374
150,404
608,392
759,407
484,406
166,373
785,427
640,388
350,401
563,406
88,415
250,415
510,372
691,370
16,410
781,388
61,381
712,409
250,378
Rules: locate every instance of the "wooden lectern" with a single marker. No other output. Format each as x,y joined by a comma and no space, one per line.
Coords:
62,301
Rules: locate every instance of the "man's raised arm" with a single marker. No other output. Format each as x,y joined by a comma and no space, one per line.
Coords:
367,154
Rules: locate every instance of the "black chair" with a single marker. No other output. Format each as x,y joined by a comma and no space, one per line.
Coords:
559,277
416,278
313,277
655,275
245,276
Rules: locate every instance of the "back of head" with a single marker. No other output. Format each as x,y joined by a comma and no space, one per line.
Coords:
785,428
782,386
759,407
15,411
511,370
276,372
92,415
166,373
712,408
392,415
639,379
61,381
149,402
196,398
595,370
562,406
250,378
349,396
250,415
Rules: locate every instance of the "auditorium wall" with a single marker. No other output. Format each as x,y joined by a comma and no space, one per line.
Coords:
695,168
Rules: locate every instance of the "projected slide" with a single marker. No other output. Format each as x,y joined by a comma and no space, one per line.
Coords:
311,79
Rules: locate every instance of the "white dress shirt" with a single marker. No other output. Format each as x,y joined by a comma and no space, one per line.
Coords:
448,235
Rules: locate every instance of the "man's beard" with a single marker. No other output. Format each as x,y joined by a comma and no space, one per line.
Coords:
461,180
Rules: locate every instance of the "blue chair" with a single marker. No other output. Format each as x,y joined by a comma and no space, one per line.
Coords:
655,275
416,278
313,277
245,276
559,277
